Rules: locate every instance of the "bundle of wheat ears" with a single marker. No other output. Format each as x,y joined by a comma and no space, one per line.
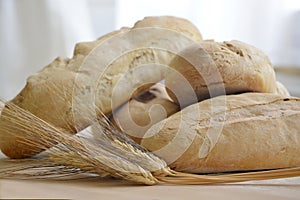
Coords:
219,116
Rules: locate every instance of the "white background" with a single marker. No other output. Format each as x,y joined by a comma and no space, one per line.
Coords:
34,32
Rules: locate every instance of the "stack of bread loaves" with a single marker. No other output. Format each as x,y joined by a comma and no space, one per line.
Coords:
201,105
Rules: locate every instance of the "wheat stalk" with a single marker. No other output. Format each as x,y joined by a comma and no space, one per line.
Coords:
95,156
108,153
40,168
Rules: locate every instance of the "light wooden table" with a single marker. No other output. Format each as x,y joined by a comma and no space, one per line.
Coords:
114,189
95,188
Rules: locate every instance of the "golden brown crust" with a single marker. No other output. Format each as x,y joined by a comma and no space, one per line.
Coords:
180,25
213,68
84,48
250,131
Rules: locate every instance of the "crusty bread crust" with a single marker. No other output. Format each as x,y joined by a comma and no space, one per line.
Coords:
250,131
213,69
180,25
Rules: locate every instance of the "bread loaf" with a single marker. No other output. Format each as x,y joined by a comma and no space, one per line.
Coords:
102,75
140,113
281,89
250,131
209,69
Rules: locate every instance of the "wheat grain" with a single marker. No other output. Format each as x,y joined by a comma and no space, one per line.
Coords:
76,152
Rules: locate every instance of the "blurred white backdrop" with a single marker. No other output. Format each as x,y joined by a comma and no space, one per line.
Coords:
267,24
34,32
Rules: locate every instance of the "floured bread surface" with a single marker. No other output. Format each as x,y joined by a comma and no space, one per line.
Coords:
102,75
140,113
210,69
250,131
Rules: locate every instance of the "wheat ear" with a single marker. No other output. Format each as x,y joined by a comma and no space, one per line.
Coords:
87,155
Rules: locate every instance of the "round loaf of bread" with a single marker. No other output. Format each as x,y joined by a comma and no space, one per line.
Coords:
102,75
210,69
250,131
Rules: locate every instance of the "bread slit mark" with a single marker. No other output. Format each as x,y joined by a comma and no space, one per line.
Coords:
210,141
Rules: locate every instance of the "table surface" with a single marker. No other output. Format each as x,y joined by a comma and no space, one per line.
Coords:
96,188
